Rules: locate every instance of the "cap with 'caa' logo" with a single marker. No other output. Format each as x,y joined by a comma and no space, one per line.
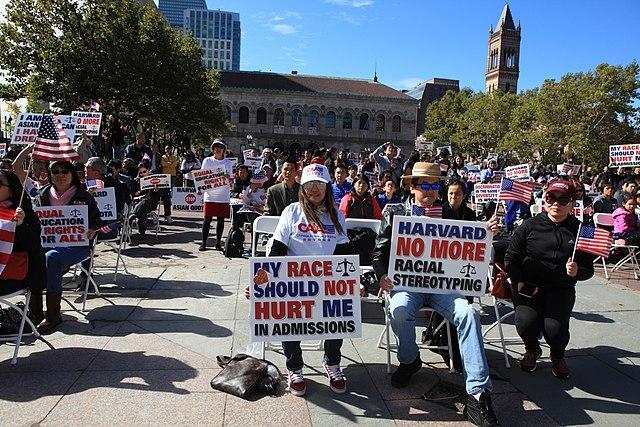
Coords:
315,172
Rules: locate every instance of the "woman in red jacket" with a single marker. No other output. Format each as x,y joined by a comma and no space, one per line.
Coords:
359,203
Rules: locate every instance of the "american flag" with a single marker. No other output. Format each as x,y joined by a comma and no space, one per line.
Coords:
52,143
95,184
514,190
596,241
570,169
430,211
7,235
108,228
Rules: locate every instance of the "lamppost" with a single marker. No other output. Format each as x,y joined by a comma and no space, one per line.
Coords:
249,140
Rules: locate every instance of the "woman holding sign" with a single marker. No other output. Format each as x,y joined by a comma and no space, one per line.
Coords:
65,189
216,200
312,226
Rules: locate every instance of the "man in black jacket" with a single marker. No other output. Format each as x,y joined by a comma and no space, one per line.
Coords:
544,273
425,185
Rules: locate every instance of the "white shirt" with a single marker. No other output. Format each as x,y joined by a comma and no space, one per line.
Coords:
302,238
220,194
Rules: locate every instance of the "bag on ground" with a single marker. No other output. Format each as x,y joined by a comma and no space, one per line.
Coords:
246,376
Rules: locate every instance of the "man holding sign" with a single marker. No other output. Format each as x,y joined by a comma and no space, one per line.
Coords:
441,295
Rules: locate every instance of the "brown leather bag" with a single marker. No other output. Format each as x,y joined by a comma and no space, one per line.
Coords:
501,288
17,267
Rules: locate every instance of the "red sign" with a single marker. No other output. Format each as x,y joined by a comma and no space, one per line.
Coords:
155,181
190,198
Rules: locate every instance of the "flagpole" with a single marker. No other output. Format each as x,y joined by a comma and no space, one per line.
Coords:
498,201
575,245
26,175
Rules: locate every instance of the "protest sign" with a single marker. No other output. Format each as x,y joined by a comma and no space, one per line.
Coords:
373,178
568,168
578,210
209,179
470,167
473,176
492,156
439,256
498,175
354,157
624,155
252,163
247,153
69,126
423,145
445,149
63,225
26,129
484,193
106,200
186,199
233,160
305,298
517,172
3,149
156,181
87,122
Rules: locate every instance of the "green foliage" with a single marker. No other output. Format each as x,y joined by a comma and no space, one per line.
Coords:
117,52
576,118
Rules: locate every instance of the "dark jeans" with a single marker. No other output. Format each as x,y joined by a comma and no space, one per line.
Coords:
165,196
548,312
630,237
293,353
142,209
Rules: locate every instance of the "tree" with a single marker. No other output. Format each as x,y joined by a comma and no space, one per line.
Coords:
117,52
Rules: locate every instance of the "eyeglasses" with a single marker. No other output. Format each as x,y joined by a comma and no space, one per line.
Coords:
562,200
60,171
426,186
316,185
142,172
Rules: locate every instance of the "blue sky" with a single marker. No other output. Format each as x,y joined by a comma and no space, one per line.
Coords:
416,40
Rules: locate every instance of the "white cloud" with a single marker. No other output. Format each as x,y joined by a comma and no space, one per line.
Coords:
351,3
408,82
284,29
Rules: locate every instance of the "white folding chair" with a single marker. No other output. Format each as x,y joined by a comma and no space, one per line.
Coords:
265,225
88,272
5,299
384,341
117,244
606,220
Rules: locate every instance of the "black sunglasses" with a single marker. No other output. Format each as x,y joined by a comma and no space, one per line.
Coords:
562,200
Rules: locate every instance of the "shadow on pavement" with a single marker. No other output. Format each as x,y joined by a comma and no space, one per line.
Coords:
591,317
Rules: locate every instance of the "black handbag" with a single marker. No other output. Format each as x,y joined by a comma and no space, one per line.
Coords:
246,376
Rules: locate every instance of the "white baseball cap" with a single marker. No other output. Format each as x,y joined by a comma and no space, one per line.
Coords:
315,172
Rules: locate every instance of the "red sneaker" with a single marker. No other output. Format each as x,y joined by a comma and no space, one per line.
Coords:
560,368
337,381
297,386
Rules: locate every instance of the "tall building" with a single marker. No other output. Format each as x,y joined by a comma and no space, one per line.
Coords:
504,54
173,10
428,92
218,33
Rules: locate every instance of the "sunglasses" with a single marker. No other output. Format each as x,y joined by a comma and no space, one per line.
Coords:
562,200
313,185
426,186
60,171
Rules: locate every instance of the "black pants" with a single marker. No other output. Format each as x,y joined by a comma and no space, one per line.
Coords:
142,209
206,226
548,312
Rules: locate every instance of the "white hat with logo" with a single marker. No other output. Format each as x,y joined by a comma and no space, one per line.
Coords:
315,172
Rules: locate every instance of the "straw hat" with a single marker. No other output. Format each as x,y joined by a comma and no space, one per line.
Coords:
425,170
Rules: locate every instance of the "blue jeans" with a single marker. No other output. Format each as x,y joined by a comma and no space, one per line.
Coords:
293,353
60,259
456,309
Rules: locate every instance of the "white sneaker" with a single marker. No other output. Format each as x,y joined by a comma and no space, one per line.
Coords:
337,381
168,219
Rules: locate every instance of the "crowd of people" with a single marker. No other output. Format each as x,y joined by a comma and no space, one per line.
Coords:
323,187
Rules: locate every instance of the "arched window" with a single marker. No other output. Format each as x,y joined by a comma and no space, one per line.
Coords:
347,121
278,117
364,121
380,122
243,115
330,120
312,120
396,126
296,118
227,113
261,116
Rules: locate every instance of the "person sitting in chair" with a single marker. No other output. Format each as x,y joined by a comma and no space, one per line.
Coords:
144,202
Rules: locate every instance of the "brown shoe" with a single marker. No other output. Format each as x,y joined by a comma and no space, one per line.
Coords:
529,361
53,317
560,368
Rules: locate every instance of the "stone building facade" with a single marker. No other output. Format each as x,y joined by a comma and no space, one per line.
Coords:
296,112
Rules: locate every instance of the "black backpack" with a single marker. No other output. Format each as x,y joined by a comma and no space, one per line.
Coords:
234,246
363,242
431,336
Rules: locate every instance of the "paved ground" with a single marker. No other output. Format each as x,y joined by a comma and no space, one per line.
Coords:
145,353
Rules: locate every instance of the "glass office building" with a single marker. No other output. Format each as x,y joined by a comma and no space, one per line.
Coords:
173,10
218,33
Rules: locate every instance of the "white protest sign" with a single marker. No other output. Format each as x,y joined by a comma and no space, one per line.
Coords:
439,256
209,179
470,167
26,129
87,122
484,193
624,155
305,298
492,156
186,199
517,172
568,168
233,160
373,177
473,176
449,150
63,225
69,126
423,145
498,175
3,149
106,200
252,163
578,209
156,181
247,153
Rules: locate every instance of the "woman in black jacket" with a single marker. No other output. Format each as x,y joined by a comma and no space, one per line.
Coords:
65,189
27,240
544,274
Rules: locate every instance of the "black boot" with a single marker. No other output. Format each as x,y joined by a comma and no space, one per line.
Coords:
53,317
402,375
480,412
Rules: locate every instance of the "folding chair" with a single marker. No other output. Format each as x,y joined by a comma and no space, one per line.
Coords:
117,244
384,341
4,299
89,274
606,220
265,225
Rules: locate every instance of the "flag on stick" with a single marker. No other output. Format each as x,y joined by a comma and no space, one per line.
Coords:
515,190
52,143
593,240
7,236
